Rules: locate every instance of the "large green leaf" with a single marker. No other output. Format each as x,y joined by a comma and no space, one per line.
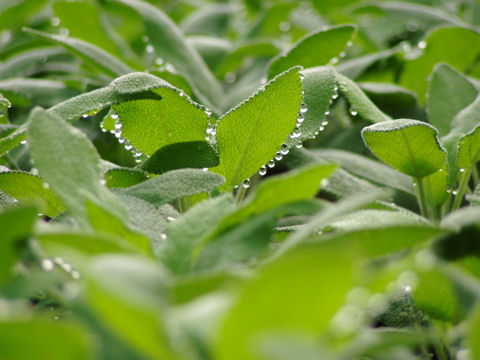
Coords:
24,340
91,53
25,61
174,185
359,102
281,299
409,146
150,124
168,43
68,161
442,45
249,135
448,93
15,225
325,44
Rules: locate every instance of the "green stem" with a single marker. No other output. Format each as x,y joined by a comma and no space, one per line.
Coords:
241,192
434,211
184,204
422,199
476,177
461,189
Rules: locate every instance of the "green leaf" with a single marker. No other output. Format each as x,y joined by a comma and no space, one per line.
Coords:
299,184
359,102
151,124
366,168
38,91
249,135
24,62
131,287
125,88
469,150
24,340
389,96
474,333
325,44
319,87
82,19
168,43
124,177
371,233
61,243
192,154
261,307
356,66
237,244
208,20
106,222
448,93
186,233
211,49
409,146
27,187
12,139
174,185
442,45
88,52
462,125
15,224
68,161
435,295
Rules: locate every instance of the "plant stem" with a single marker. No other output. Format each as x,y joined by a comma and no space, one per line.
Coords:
476,177
434,211
422,199
461,189
241,192
184,204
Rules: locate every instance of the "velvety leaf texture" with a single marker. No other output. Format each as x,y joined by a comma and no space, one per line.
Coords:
249,135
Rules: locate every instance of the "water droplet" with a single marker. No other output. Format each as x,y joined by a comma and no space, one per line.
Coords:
170,218
163,236
299,144
103,182
246,183
5,103
230,77
113,116
321,128
263,170
324,182
118,125
271,164
118,134
353,111
181,94
55,21
461,170
324,123
284,26
59,261
75,275
137,154
343,54
64,32
66,267
121,140
278,156
128,147
303,108
334,96
326,113
454,193
300,118
422,44
46,185
47,265
334,61
24,142
284,149
159,61
85,116
350,43
149,49
208,112
145,39
205,169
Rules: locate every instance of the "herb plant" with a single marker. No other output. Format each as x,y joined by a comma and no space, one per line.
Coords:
239,179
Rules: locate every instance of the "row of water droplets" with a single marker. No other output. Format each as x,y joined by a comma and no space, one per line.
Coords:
117,131
49,265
